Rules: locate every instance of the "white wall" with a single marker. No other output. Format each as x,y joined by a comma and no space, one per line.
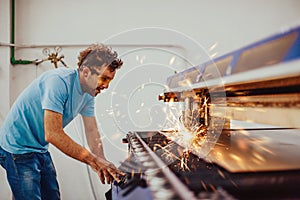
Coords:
4,81
4,64
192,27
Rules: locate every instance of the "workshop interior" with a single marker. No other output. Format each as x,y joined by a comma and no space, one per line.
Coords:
205,106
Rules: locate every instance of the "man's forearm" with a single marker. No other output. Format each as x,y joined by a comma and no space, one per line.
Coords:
93,136
95,145
55,135
64,143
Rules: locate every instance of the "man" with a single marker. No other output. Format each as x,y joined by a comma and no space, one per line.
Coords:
39,115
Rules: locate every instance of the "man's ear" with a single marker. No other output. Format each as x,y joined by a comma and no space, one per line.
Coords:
85,71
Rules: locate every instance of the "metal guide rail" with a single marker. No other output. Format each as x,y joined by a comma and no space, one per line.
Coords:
162,182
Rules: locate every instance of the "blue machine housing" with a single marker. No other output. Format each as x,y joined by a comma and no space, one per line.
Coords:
278,48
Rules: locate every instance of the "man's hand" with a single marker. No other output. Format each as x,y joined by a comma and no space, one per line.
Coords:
106,170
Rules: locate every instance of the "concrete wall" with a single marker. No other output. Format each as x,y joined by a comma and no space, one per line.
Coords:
180,36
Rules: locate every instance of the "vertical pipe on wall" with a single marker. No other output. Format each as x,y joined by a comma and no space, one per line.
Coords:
13,61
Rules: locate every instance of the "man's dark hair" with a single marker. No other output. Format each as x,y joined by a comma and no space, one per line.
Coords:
97,55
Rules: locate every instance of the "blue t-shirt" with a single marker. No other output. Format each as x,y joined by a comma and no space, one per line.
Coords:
58,90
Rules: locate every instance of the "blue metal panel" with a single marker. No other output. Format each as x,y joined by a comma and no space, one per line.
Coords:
280,47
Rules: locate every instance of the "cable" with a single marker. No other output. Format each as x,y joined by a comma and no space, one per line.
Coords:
81,136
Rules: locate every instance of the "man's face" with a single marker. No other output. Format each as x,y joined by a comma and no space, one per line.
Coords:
95,82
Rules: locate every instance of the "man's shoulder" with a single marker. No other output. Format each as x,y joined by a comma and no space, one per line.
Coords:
62,72
65,74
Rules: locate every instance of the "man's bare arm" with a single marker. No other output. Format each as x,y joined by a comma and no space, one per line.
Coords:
93,136
55,135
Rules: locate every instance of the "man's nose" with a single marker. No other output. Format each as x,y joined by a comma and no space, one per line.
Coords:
105,85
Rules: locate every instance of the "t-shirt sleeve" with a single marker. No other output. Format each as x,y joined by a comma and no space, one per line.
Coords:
54,94
89,109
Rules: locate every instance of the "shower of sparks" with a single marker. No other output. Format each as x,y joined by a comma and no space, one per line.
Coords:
140,59
234,183
171,153
235,157
213,46
203,185
189,82
213,188
193,137
221,174
214,55
172,60
110,112
267,150
184,159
